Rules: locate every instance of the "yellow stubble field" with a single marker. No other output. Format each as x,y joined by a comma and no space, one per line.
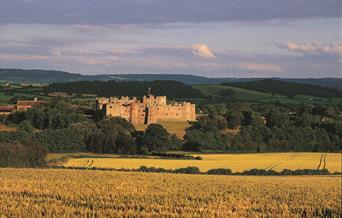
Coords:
235,162
83,193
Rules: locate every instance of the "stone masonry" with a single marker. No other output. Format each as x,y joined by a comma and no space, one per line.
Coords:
148,110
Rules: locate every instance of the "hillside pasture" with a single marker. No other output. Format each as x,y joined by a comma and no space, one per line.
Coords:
244,94
173,127
241,94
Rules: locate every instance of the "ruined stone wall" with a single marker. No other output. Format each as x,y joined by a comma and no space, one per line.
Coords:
149,110
176,112
137,113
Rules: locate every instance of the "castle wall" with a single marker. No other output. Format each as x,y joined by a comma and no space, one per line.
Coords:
149,110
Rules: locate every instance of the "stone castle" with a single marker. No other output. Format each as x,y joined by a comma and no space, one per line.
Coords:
148,110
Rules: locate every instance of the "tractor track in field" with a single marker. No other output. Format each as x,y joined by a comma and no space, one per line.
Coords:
323,160
89,163
292,156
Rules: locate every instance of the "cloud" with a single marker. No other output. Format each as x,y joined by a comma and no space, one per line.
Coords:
55,51
202,50
23,57
157,11
261,67
314,48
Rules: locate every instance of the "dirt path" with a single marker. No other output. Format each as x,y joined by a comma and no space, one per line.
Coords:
292,156
325,161
322,161
89,163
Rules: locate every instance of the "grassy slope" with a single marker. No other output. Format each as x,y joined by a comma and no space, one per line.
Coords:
177,128
242,94
287,88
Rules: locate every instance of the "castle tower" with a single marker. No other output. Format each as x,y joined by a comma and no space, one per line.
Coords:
161,100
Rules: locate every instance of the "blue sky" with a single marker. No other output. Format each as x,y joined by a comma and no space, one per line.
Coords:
213,38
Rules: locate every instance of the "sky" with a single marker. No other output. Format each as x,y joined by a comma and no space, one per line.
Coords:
212,38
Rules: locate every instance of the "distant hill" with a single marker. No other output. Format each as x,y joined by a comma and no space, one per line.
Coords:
50,76
286,88
41,76
172,89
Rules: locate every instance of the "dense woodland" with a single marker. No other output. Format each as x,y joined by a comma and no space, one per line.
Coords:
60,126
172,89
267,128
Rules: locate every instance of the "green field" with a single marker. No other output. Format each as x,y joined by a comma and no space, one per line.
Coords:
173,127
235,162
256,96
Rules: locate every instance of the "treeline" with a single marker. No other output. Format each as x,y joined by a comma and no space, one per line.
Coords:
62,127
217,171
289,89
224,171
19,149
266,128
172,89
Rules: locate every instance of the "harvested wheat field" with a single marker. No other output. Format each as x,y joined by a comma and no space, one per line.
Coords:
71,193
235,162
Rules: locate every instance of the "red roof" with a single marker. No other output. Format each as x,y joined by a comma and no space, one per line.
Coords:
7,108
29,103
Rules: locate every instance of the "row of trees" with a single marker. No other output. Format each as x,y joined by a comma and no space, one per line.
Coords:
266,128
172,89
116,135
60,126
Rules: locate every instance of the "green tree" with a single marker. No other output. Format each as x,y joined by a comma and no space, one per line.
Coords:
323,142
234,118
156,138
113,135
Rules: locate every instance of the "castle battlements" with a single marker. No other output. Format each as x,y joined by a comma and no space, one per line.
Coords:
149,109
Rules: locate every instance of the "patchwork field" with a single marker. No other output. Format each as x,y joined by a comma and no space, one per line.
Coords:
74,193
243,94
235,162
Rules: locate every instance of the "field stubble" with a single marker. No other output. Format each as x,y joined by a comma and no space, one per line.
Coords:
69,193
235,162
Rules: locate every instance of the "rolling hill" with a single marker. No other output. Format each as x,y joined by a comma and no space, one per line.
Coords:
172,89
49,76
289,89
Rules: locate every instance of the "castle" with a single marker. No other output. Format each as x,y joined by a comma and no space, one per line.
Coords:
148,110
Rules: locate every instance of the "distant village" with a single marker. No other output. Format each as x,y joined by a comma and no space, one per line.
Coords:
21,105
